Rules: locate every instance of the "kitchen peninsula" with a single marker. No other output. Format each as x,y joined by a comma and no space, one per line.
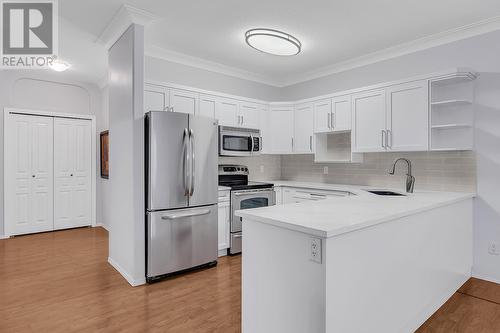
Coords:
357,263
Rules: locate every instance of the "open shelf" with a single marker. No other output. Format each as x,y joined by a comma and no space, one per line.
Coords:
335,147
450,126
460,77
452,102
452,112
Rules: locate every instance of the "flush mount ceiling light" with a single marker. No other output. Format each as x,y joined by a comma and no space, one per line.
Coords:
273,42
59,65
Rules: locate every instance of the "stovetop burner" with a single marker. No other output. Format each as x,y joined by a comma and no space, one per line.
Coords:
236,177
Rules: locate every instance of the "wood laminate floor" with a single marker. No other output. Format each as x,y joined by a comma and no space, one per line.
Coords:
61,282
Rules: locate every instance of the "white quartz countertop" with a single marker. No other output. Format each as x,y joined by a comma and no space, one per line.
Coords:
339,215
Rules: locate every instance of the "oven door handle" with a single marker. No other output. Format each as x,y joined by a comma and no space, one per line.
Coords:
251,193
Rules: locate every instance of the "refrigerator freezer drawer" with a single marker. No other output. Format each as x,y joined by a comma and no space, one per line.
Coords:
181,239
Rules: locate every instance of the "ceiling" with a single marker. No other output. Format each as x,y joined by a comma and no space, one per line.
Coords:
331,32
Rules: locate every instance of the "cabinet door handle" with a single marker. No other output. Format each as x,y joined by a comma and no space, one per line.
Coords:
383,138
389,139
329,120
311,143
333,120
292,143
242,119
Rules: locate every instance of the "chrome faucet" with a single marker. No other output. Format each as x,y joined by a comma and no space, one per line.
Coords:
410,180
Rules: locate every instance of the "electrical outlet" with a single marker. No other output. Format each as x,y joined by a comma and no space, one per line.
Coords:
315,248
261,169
325,170
493,249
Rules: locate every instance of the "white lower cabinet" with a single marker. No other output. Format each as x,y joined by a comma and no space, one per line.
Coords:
278,190
224,215
296,195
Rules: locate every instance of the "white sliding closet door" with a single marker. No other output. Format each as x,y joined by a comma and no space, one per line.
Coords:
29,174
72,173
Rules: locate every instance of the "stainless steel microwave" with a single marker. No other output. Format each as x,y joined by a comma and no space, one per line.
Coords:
234,141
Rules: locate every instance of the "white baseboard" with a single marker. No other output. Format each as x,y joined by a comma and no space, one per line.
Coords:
222,253
102,225
3,237
486,277
126,275
433,307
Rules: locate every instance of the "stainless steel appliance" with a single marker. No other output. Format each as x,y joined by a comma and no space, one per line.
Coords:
181,196
239,141
244,195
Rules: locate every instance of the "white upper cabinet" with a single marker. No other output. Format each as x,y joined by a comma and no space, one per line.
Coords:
207,106
341,113
303,128
249,115
368,112
226,111
332,115
392,119
408,116
183,101
280,130
322,116
156,98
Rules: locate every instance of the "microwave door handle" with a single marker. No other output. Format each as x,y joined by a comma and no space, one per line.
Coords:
186,162
251,143
193,156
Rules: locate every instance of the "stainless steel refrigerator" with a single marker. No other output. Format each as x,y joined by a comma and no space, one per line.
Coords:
182,192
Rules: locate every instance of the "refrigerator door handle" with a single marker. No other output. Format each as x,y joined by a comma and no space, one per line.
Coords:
186,163
175,216
193,162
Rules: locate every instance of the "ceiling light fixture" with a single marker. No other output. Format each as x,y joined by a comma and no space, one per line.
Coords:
59,65
273,42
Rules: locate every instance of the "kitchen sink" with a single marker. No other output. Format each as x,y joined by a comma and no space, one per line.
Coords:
386,193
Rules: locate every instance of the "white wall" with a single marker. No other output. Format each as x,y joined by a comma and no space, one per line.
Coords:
48,91
165,71
126,156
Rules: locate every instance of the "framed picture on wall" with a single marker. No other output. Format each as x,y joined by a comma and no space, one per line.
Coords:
105,154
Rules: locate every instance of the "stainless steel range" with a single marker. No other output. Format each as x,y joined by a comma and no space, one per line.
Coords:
244,195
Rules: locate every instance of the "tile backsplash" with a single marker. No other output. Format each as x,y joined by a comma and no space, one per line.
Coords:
434,171
262,167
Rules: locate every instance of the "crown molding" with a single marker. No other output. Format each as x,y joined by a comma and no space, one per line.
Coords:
445,37
120,22
184,59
